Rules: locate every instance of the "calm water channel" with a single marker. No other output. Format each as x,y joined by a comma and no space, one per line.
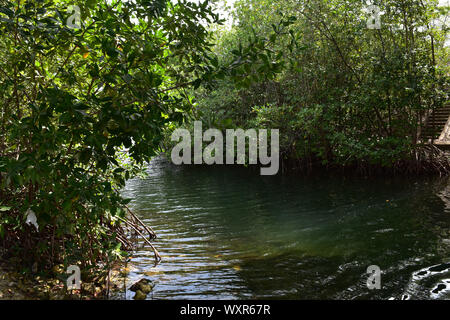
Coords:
228,233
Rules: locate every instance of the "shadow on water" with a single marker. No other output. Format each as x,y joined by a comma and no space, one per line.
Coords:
228,233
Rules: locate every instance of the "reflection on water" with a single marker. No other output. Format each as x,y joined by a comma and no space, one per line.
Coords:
229,233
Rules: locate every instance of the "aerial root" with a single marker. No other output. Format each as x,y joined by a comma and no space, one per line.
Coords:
139,227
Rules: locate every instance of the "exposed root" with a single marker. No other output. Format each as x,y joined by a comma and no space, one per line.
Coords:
140,228
431,158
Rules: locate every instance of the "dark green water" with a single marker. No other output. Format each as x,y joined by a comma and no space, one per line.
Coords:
228,233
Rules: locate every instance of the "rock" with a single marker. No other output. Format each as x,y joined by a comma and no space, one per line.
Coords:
134,287
143,285
139,295
146,288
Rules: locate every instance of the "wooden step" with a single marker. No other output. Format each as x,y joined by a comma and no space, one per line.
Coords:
433,130
436,123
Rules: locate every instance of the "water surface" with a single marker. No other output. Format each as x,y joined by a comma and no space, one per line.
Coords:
229,233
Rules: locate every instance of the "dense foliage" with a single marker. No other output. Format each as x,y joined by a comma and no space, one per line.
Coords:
85,103
74,98
348,95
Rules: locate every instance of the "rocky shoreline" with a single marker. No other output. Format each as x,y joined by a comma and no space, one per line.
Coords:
16,286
